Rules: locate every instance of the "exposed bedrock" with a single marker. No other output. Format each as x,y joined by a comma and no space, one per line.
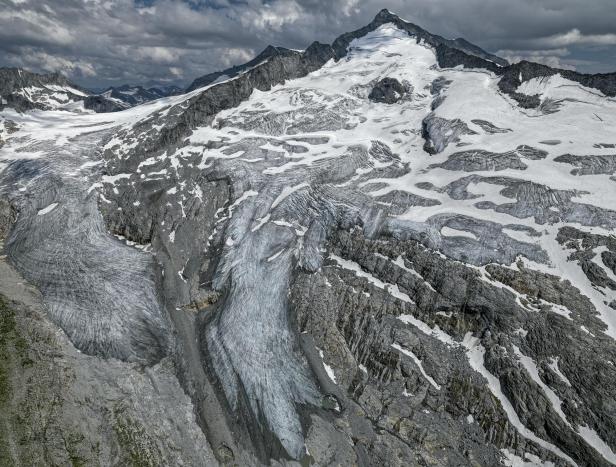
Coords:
440,133
545,204
375,333
479,160
388,91
101,104
589,165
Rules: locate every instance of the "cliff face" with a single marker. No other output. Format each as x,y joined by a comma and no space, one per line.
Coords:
359,254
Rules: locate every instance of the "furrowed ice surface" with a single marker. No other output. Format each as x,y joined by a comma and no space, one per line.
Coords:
384,258
101,292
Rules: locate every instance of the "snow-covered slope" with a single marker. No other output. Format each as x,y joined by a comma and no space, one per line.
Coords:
370,259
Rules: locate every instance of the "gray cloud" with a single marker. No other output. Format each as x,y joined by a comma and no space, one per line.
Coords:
100,42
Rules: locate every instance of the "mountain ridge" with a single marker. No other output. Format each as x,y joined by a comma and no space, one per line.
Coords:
451,53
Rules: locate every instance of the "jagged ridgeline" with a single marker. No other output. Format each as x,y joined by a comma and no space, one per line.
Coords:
397,249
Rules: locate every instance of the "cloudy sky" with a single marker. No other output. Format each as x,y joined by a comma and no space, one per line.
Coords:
110,42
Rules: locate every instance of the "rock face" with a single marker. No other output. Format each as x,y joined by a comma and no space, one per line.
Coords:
285,268
388,91
102,104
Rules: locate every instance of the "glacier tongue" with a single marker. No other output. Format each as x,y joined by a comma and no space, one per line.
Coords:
100,291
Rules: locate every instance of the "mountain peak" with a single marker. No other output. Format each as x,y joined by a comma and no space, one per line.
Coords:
385,16
385,13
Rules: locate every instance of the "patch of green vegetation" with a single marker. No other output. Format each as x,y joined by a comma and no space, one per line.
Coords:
71,445
8,336
139,448
30,426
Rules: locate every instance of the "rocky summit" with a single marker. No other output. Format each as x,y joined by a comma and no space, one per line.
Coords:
394,250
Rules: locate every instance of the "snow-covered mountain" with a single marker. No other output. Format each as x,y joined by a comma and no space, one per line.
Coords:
393,250
23,90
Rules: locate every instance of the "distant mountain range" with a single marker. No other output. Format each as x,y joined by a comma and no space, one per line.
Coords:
135,95
24,90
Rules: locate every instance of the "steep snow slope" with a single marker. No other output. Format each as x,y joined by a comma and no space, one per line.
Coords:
435,255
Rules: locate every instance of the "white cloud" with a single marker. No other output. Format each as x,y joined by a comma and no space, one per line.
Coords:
175,71
549,60
575,37
273,15
157,54
550,57
32,59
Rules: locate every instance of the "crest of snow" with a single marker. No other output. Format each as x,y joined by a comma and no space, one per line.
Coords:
261,222
530,460
520,235
553,364
417,361
247,194
287,191
489,191
47,209
57,88
399,261
181,273
283,223
593,439
556,87
531,368
112,179
391,289
328,369
435,332
275,255
451,232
